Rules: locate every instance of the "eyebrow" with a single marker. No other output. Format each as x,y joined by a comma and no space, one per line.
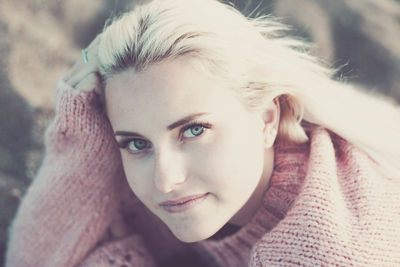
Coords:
170,127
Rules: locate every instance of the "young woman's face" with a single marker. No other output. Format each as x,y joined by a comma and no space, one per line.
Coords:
191,151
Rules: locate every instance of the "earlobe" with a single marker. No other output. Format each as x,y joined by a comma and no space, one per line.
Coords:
269,137
271,121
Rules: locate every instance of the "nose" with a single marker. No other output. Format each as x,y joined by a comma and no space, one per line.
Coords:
168,171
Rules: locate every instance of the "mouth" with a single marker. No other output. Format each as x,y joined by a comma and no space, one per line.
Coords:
183,204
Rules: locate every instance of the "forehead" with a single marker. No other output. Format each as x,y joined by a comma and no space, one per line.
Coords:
165,82
164,91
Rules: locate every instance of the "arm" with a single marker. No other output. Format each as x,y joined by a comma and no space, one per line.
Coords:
125,252
75,193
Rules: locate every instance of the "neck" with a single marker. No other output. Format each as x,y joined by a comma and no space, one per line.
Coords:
250,208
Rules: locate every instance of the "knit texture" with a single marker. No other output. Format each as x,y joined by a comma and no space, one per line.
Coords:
327,204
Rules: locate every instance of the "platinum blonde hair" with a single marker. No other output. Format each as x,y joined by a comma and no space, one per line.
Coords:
255,58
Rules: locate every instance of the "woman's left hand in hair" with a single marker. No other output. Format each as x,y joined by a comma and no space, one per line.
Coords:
85,76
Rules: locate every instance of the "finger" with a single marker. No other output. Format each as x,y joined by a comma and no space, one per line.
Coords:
81,68
89,83
92,49
81,72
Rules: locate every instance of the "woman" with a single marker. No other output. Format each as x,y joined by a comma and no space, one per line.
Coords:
190,133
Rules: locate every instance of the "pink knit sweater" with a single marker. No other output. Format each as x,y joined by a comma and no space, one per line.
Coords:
327,205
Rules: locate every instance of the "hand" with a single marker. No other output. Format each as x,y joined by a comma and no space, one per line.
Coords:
85,76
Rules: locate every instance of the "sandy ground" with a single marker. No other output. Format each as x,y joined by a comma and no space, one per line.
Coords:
40,39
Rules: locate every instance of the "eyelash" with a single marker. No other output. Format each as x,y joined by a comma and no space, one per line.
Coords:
124,143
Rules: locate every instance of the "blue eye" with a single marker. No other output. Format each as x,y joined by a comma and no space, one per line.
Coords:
137,144
193,131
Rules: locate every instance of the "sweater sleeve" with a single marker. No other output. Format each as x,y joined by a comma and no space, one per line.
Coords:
125,252
73,198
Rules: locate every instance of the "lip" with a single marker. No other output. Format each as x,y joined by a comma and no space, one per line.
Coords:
183,204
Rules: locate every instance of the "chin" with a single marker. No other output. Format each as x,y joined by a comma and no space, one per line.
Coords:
190,237
192,233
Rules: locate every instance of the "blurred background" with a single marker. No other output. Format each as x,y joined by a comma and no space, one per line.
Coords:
41,39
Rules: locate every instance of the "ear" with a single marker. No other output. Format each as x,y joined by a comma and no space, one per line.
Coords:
271,117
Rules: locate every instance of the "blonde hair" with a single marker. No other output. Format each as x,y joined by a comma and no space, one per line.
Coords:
255,58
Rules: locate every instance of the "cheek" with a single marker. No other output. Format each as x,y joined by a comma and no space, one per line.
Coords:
236,162
137,176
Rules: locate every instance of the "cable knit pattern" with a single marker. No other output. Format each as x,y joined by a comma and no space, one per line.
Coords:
327,204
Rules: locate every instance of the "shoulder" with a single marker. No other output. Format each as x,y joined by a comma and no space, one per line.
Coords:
347,211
